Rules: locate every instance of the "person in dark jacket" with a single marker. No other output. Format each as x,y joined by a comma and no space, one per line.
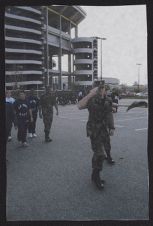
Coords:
24,116
34,105
100,126
47,101
10,118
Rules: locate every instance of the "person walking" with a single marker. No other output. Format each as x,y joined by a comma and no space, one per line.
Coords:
34,105
24,116
115,100
99,127
10,100
10,119
80,95
47,101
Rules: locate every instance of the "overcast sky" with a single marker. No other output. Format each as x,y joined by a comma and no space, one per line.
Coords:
126,31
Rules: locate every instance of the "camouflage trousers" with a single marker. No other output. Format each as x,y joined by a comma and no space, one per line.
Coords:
47,119
99,146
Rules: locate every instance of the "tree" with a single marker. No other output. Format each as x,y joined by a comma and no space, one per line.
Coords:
123,88
135,84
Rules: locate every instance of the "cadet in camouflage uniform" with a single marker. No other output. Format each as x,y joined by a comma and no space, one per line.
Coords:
47,101
100,126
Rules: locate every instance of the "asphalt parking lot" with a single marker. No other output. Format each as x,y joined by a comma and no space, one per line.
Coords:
51,181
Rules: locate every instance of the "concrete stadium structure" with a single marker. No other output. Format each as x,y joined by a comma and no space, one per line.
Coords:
37,41
34,36
85,60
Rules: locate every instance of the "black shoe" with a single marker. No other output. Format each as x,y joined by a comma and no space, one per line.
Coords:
110,160
97,180
48,139
92,178
103,181
9,138
99,183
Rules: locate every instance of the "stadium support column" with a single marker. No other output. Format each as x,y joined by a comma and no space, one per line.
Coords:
47,48
76,31
69,61
60,57
69,70
76,36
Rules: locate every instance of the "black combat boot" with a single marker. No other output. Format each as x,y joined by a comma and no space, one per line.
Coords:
109,159
47,138
96,179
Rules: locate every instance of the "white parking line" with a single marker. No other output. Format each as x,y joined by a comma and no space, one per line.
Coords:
132,112
117,120
129,119
73,113
116,126
141,129
72,118
68,118
119,126
85,120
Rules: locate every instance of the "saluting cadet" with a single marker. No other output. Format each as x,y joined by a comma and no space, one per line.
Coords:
34,104
24,116
100,126
47,101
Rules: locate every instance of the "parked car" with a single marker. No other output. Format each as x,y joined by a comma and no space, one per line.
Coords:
141,94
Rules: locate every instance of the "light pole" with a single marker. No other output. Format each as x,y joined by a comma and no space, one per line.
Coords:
138,75
101,54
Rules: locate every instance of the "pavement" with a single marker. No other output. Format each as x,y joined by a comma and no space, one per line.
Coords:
51,181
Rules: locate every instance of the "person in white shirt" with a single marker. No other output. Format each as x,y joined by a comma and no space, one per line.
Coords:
11,100
80,95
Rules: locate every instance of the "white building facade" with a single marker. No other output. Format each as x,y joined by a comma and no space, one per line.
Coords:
37,38
85,60
34,36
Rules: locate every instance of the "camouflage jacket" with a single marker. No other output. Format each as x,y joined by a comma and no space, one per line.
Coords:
47,101
100,119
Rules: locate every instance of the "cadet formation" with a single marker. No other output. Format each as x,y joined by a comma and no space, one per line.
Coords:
23,111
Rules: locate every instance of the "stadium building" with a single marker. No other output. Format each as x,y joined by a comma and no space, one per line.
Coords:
42,47
85,60
35,36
